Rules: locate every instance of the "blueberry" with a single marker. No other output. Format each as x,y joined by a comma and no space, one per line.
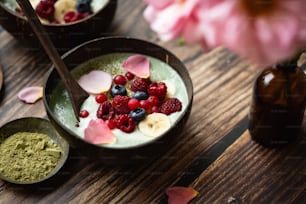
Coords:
138,114
83,6
118,89
140,95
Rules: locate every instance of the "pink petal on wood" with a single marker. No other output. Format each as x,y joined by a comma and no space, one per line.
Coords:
180,195
97,132
96,82
137,65
30,94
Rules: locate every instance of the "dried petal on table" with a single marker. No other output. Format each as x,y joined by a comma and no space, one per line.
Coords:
30,94
137,65
180,194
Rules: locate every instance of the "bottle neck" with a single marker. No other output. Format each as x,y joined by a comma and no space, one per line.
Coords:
286,66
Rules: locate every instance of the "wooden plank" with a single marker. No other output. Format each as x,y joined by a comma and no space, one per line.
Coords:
218,96
254,174
222,92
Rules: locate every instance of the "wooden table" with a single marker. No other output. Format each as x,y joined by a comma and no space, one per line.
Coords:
215,155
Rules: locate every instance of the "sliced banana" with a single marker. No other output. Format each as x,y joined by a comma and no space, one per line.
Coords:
170,88
154,125
61,7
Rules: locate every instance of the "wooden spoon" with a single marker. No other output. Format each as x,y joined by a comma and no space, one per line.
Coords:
1,77
76,93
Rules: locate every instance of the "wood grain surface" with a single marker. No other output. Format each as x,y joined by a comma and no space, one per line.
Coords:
1,77
215,155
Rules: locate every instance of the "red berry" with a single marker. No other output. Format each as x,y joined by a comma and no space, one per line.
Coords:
125,123
84,114
45,9
155,109
139,84
129,76
55,21
154,101
72,16
158,89
145,104
120,79
111,124
52,1
170,106
120,104
105,111
101,98
133,103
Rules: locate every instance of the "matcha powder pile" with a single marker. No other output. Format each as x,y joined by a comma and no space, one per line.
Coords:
27,157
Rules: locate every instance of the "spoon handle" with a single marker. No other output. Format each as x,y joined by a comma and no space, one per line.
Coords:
76,93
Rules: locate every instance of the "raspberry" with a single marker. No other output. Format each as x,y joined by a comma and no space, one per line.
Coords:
120,104
170,106
125,123
158,89
45,9
140,84
106,111
72,16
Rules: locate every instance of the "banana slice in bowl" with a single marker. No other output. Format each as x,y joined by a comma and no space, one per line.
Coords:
154,125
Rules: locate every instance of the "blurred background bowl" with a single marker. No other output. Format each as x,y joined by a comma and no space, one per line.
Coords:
35,125
64,36
101,46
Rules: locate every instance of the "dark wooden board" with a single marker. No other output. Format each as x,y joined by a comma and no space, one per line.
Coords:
215,154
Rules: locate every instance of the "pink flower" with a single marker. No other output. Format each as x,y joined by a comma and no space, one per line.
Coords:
174,18
265,31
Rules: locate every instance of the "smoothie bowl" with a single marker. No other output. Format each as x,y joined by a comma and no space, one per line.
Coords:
67,22
140,98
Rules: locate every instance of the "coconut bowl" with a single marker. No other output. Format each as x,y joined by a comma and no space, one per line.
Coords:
109,45
35,125
64,36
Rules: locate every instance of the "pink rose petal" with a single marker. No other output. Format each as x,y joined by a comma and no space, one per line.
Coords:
97,132
137,65
30,94
180,195
96,82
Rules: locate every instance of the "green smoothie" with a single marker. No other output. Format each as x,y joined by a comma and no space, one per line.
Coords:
112,63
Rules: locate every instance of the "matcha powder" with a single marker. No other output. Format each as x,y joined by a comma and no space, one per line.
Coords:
27,157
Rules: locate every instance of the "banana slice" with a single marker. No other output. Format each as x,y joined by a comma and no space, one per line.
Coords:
154,124
61,7
170,88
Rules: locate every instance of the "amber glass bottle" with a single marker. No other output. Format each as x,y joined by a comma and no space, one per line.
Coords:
278,105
